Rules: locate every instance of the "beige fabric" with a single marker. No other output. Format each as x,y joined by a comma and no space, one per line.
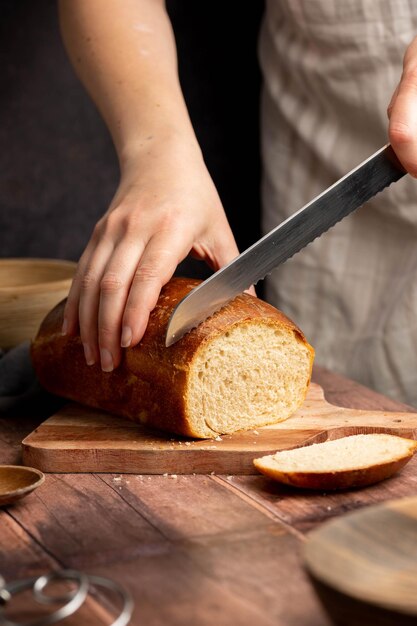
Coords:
330,68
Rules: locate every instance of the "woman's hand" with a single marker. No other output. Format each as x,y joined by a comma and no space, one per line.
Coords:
166,204
165,207
402,113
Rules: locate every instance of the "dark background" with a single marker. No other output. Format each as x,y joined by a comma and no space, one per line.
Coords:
58,169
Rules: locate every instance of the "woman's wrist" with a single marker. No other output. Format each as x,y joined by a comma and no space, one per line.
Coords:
158,144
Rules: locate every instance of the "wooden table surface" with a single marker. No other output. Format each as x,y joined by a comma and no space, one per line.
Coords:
192,550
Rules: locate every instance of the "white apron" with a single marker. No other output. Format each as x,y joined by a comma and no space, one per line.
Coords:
330,68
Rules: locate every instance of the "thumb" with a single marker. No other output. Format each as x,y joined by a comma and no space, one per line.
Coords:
225,251
403,113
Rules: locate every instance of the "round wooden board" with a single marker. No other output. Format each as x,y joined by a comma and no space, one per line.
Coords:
364,565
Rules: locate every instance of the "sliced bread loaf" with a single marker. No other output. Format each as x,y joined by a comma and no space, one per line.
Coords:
353,461
246,366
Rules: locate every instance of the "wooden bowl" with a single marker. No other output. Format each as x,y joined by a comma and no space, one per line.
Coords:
17,481
364,565
29,288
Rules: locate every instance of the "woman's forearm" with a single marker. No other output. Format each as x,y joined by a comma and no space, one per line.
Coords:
125,55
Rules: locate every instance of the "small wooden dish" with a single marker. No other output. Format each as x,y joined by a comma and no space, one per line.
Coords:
364,565
17,481
29,288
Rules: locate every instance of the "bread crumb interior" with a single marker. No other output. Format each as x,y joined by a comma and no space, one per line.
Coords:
347,453
252,375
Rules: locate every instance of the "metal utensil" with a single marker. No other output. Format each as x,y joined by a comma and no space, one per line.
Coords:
347,194
70,601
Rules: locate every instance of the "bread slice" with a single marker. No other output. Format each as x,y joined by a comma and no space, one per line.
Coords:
353,461
246,366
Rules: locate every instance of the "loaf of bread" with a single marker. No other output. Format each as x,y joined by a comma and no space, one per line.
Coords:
246,366
343,463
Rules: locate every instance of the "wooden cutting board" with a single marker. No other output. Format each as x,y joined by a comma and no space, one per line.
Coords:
364,565
79,439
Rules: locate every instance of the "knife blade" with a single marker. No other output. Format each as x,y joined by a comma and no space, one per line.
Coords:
312,220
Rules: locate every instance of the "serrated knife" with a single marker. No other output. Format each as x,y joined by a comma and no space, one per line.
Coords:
332,205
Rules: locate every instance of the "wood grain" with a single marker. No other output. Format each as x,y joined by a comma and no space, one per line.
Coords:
118,531
192,506
246,578
80,439
20,556
193,551
369,558
190,551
